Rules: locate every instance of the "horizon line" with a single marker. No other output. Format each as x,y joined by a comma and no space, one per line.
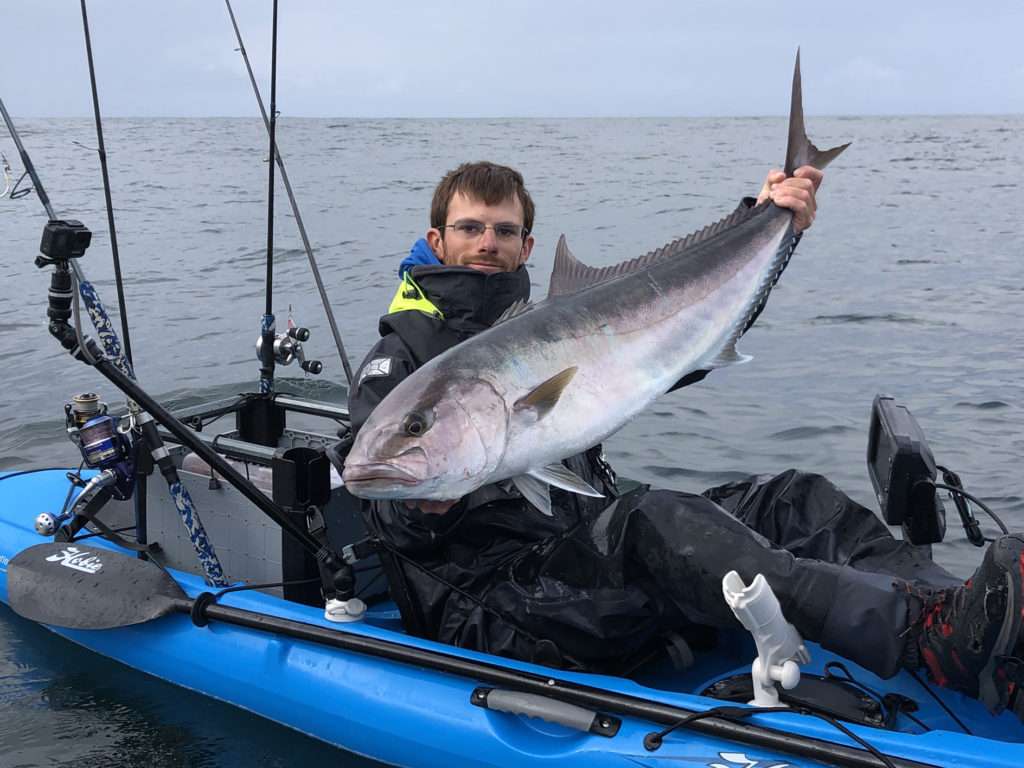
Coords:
841,116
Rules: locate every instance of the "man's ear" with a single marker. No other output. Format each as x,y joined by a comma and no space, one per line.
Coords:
435,242
527,250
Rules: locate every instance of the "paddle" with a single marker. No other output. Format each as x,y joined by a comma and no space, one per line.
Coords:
77,586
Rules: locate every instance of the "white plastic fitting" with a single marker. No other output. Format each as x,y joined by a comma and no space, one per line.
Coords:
343,611
780,649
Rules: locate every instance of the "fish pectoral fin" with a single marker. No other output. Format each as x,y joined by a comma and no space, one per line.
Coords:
535,492
728,356
543,397
560,476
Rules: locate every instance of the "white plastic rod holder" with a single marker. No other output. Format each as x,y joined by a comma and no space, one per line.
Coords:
344,611
780,649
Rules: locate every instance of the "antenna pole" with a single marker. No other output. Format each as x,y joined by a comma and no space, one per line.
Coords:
295,206
121,306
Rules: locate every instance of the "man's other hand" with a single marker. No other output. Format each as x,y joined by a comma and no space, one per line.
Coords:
795,193
431,507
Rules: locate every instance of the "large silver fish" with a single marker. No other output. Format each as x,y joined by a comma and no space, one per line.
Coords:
554,378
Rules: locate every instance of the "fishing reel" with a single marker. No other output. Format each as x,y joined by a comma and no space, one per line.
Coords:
104,443
288,349
105,446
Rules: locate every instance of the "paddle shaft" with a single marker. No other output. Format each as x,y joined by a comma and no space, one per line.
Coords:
528,682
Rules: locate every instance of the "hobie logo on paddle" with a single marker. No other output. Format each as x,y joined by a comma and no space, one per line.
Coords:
71,557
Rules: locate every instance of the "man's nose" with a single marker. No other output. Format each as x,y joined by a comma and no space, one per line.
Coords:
488,240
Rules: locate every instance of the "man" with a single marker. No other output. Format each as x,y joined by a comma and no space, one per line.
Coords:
598,585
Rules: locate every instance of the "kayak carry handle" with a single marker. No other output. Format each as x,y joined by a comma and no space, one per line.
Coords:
552,710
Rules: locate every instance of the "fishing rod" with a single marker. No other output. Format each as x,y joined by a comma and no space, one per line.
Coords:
295,206
139,496
26,161
81,237
267,325
121,305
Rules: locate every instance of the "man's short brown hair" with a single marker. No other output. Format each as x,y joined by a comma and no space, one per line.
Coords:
489,183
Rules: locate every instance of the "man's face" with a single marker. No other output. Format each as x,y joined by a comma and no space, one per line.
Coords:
500,247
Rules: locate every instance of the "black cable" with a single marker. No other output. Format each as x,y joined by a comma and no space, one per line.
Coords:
269,585
849,679
654,739
974,499
102,534
71,487
21,472
917,721
121,305
942,704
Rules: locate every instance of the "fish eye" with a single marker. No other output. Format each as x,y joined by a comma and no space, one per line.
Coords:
415,424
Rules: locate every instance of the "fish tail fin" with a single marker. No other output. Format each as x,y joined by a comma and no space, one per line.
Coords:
800,151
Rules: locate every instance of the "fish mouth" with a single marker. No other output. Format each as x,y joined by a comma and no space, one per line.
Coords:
377,472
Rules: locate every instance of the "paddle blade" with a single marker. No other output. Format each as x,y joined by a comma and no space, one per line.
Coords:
77,586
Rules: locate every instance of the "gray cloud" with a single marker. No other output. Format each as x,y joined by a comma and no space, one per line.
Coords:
530,58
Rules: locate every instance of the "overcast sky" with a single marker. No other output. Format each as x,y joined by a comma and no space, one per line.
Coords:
409,58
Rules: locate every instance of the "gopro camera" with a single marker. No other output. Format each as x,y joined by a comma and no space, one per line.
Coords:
64,239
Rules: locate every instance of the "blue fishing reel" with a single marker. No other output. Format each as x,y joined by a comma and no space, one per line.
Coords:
105,447
103,444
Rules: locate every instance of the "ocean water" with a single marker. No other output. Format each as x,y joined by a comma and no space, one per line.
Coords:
910,283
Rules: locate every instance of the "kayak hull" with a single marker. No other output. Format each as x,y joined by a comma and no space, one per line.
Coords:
411,715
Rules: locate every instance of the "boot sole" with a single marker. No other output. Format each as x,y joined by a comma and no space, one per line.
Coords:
992,694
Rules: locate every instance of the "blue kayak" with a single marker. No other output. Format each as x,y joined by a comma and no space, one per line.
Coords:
369,688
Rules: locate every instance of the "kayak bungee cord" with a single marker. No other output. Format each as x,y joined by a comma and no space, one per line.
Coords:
101,150
295,207
267,329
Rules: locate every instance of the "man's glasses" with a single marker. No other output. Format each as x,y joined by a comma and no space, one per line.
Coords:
471,230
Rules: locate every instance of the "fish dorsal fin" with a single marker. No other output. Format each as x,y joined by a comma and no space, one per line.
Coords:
570,275
543,397
518,307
